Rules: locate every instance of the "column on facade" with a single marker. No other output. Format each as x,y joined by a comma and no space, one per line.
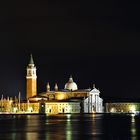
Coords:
91,104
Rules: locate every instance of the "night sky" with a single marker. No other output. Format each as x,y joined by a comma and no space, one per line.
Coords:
95,41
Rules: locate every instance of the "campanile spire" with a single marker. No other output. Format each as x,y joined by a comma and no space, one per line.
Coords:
31,59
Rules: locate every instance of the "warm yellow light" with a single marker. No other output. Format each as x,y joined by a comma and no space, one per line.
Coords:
30,109
93,115
60,97
113,110
132,109
15,109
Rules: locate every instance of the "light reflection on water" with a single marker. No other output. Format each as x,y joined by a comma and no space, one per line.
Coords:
133,128
68,130
69,127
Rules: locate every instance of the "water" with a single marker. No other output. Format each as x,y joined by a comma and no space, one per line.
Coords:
70,127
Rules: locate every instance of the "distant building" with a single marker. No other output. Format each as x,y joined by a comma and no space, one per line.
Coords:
122,107
6,104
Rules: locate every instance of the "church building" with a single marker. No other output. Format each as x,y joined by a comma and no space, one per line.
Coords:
67,100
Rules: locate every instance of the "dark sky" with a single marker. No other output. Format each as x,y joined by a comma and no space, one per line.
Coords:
95,41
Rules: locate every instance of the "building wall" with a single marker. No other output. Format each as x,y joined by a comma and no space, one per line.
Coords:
67,95
122,107
38,107
62,107
25,107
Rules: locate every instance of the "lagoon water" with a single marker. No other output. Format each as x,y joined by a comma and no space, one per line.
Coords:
70,127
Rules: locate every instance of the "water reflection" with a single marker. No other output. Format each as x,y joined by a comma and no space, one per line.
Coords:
68,130
70,127
133,128
32,127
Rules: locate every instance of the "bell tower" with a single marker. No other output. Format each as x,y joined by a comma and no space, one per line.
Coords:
31,79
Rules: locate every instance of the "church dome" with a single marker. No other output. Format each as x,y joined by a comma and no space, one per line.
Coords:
71,85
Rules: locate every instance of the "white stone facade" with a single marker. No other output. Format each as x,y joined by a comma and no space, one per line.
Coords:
93,103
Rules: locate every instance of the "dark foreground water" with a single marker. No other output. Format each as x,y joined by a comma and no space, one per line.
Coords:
69,127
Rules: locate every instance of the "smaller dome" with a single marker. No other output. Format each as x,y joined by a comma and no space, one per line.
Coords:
71,85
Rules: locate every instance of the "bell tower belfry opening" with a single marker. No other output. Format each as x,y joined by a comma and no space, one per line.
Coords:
31,79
